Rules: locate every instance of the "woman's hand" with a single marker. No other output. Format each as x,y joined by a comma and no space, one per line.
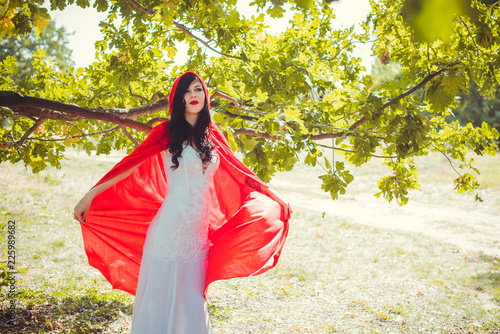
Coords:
288,211
82,208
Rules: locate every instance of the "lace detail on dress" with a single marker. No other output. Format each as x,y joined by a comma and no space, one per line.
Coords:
180,228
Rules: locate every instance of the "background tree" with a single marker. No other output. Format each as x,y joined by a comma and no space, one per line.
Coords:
51,40
476,108
273,95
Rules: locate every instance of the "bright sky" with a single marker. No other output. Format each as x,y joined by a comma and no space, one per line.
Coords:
83,23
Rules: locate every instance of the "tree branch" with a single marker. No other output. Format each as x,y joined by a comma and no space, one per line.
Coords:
255,133
156,120
71,137
470,35
351,151
185,30
137,96
156,96
32,106
320,136
233,116
428,78
181,27
129,136
140,7
225,96
48,109
374,155
35,127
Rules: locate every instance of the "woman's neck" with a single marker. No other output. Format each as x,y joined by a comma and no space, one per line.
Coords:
191,118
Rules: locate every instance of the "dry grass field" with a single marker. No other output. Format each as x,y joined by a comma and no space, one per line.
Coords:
356,265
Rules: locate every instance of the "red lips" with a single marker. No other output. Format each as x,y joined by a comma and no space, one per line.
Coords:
194,103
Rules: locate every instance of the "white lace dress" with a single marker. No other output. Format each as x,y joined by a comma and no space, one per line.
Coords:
169,297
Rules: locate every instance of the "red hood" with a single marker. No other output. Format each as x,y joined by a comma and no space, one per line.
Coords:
174,88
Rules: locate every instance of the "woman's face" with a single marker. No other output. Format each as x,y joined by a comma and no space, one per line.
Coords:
194,98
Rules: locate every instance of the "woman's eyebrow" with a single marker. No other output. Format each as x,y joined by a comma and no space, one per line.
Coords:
194,87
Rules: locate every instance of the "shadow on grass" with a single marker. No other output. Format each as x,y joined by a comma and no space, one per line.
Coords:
89,312
489,281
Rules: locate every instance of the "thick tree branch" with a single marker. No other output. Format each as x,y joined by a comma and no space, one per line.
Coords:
133,113
32,106
47,109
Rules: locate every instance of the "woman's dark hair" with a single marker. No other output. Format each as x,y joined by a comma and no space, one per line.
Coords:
181,130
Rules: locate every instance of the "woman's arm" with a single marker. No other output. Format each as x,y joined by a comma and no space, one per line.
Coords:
82,208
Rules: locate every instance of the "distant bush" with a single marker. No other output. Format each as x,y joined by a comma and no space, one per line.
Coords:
475,108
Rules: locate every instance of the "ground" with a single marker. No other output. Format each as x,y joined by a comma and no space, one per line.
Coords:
356,265
436,211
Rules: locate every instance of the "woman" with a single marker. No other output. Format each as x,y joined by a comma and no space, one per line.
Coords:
178,213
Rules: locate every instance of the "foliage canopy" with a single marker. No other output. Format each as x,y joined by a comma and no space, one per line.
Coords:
274,95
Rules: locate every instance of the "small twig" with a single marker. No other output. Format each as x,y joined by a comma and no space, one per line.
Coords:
329,135
255,133
156,96
328,127
6,11
14,141
180,26
76,127
185,30
351,151
233,116
224,95
449,160
156,120
470,35
77,136
428,78
35,127
138,96
374,155
129,136
140,7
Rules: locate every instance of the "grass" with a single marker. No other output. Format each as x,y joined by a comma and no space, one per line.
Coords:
335,275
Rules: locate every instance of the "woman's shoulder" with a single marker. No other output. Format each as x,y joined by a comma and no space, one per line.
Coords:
159,133
162,126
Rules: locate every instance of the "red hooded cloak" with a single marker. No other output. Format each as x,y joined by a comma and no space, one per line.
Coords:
247,227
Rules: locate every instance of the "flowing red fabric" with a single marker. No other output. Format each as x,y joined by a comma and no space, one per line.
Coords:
247,228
